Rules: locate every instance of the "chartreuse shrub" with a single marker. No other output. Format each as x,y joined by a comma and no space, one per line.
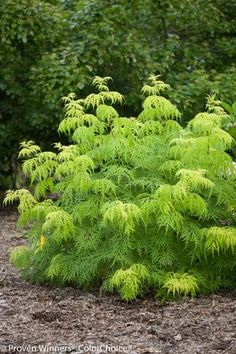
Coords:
143,203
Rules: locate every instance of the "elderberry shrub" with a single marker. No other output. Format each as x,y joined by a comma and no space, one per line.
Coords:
143,203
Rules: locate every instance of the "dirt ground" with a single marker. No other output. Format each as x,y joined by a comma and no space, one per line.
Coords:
46,319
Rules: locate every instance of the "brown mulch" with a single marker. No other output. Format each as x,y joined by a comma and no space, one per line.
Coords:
32,315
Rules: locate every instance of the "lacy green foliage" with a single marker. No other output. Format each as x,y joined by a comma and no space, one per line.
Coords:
129,281
142,203
230,123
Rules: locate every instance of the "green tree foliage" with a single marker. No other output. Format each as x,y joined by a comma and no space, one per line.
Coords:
30,30
191,43
143,203
49,47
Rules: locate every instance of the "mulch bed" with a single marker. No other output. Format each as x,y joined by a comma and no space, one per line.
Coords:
32,315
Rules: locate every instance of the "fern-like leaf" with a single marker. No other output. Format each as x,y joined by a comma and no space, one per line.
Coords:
129,282
181,284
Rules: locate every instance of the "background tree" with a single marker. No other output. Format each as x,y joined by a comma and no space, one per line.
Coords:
28,30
